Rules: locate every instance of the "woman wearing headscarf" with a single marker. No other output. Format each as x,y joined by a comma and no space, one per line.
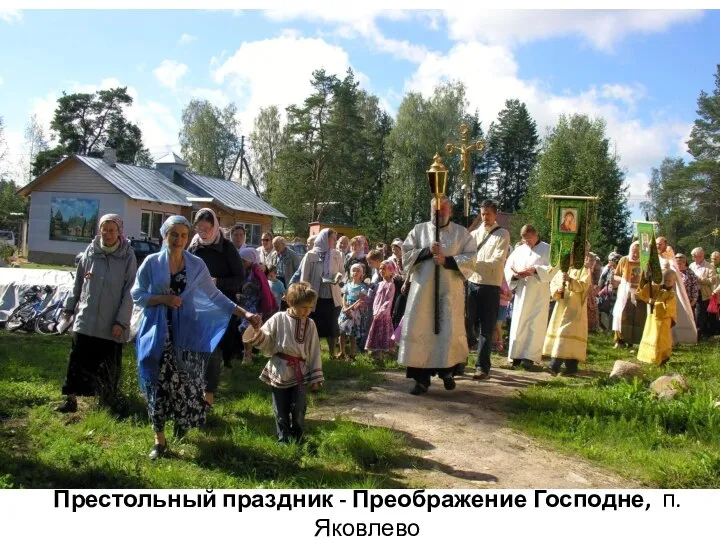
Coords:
322,267
222,259
257,297
629,313
102,306
184,317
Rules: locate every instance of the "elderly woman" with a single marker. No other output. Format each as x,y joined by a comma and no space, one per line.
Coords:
286,260
102,306
322,267
256,297
629,313
223,261
184,318
343,246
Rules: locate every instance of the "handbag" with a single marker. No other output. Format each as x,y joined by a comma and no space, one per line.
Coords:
135,322
713,305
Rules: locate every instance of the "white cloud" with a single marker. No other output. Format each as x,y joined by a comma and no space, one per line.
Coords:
186,38
1,81
639,144
11,16
602,29
351,23
216,97
169,72
253,74
159,125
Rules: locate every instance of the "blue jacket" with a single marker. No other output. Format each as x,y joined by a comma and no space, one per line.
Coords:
198,325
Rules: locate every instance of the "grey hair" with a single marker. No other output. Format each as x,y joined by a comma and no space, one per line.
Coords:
697,251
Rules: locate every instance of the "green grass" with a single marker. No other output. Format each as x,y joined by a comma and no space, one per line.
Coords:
235,449
666,444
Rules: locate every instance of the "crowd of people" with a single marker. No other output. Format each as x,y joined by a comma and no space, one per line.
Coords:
427,300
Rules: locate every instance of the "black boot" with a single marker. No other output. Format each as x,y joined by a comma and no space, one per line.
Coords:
70,405
419,389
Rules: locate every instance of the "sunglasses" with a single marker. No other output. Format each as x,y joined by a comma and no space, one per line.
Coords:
266,239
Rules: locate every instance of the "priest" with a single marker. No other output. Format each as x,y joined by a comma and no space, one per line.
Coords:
528,272
421,351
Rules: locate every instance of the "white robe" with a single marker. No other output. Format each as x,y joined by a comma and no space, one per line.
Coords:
419,346
532,300
684,330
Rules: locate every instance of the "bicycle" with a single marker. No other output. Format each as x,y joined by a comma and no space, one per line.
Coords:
23,316
48,320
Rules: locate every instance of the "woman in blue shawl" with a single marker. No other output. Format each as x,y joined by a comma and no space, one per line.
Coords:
184,318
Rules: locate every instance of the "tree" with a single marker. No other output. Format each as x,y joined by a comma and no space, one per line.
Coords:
3,147
685,198
513,151
672,202
10,203
303,189
209,139
481,165
35,142
704,142
576,160
84,123
266,141
423,127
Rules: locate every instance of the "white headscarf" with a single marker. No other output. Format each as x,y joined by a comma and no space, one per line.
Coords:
321,248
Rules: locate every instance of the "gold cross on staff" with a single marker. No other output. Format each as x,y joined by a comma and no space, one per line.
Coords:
464,148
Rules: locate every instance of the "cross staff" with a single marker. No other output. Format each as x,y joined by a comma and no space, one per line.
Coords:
464,148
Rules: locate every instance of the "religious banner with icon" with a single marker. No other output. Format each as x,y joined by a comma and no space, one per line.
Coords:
648,251
569,231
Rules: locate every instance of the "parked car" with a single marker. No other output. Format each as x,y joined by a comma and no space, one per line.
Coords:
7,238
143,248
298,247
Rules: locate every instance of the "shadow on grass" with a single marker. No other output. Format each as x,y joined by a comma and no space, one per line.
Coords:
21,468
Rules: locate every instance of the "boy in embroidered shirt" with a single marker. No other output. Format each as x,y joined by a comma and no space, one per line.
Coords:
291,339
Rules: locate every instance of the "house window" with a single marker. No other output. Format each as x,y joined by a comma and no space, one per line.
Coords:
253,232
145,224
157,221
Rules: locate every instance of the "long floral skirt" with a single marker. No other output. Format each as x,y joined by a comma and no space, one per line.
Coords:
381,331
178,394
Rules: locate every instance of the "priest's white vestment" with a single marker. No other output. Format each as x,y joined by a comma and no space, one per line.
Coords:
420,347
532,300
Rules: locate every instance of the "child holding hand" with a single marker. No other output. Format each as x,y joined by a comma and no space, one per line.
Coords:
291,339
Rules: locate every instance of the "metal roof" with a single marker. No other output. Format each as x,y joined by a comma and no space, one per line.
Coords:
172,157
139,182
231,194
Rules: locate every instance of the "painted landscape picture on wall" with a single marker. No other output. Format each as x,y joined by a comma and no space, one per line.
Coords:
73,219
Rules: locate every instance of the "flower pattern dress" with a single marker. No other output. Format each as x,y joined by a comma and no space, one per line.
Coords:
179,392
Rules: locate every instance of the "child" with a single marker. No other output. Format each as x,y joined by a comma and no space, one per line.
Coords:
352,308
505,297
656,344
566,337
381,329
256,295
372,279
356,256
276,286
292,340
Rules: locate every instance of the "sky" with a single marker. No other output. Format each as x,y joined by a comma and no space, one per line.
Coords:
641,70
